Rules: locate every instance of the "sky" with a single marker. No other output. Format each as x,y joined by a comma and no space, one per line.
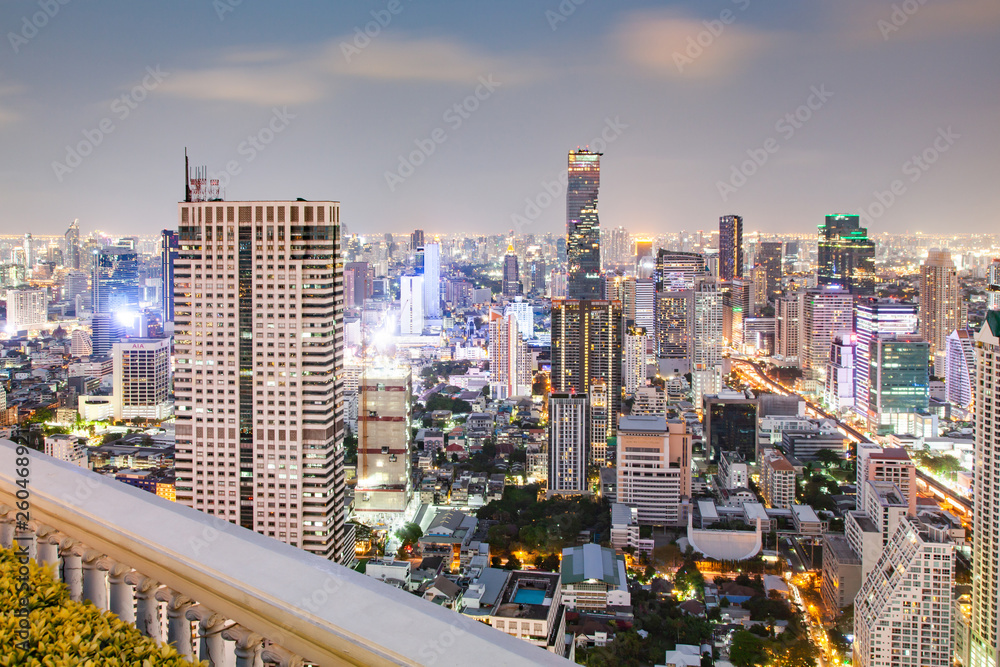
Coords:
456,117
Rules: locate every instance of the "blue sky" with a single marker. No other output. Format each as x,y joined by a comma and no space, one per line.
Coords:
780,111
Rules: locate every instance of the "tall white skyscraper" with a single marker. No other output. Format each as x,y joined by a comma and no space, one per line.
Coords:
525,315
568,439
141,378
985,529
960,367
707,333
941,307
640,302
411,305
510,360
636,359
258,295
432,281
826,312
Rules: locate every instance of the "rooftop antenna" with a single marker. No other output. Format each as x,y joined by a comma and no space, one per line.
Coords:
187,177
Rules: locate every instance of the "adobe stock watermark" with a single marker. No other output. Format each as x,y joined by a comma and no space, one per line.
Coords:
562,12
900,15
223,7
31,25
121,108
697,44
553,189
363,35
432,651
254,145
786,126
913,169
455,116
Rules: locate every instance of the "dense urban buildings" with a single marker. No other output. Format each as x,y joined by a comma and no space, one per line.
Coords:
846,256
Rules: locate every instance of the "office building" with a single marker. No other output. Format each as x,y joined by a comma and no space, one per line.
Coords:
71,257
769,259
674,324
568,440
525,314
510,359
986,514
106,330
890,464
416,239
737,307
142,379
640,302
636,360
583,229
616,248
677,270
115,283
899,381
432,281
654,468
384,485
731,424
941,306
586,346
960,367
361,277
840,369
730,247
26,309
411,305
169,249
845,255
511,286
871,318
902,613
826,312
259,401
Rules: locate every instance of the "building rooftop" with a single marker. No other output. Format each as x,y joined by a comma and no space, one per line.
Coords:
591,562
528,594
841,550
643,423
804,513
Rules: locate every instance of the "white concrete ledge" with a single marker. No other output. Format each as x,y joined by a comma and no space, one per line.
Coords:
326,613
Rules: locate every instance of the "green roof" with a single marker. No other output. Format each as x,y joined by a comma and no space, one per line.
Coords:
591,561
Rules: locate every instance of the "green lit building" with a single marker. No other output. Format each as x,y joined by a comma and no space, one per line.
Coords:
846,255
899,382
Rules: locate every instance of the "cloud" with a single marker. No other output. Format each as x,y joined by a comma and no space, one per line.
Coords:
270,77
669,44
915,20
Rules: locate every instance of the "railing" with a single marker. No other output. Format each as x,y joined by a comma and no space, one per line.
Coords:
232,590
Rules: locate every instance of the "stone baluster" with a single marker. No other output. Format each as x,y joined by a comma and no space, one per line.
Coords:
147,617
72,568
178,626
48,549
122,602
6,527
211,645
95,583
282,657
248,645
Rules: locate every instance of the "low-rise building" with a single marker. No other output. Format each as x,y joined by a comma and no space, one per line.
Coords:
806,521
624,526
391,571
593,579
67,448
530,607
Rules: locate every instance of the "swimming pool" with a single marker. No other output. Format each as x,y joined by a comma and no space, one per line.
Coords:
529,596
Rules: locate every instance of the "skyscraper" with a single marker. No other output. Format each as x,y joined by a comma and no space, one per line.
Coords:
730,247
72,256
586,346
411,305
510,360
845,254
511,285
107,331
960,367
26,308
940,299
364,276
898,381
674,324
993,285
259,382
678,270
616,248
568,440
986,515
416,239
640,302
116,280
636,359
583,230
654,468
432,281
871,318
707,330
141,378
384,485
788,326
826,312
769,257
169,249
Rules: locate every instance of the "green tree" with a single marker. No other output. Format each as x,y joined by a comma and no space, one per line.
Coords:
747,650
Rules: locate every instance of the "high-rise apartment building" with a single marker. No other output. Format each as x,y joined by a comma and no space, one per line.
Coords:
769,258
993,285
586,346
384,486
432,281
416,239
674,324
510,360
738,306
788,326
616,248
411,305
259,342
902,614
636,359
362,276
986,515
677,270
826,312
840,371
707,336
583,229
898,381
777,479
26,309
730,247
960,367
568,439
640,302
116,280
600,422
890,464
941,307
72,256
169,249
845,255
511,285
141,378
525,314
871,318
654,468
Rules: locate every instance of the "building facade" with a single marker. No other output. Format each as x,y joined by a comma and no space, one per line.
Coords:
583,229
654,468
142,379
569,420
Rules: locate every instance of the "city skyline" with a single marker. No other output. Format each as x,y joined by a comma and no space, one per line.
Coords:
676,156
